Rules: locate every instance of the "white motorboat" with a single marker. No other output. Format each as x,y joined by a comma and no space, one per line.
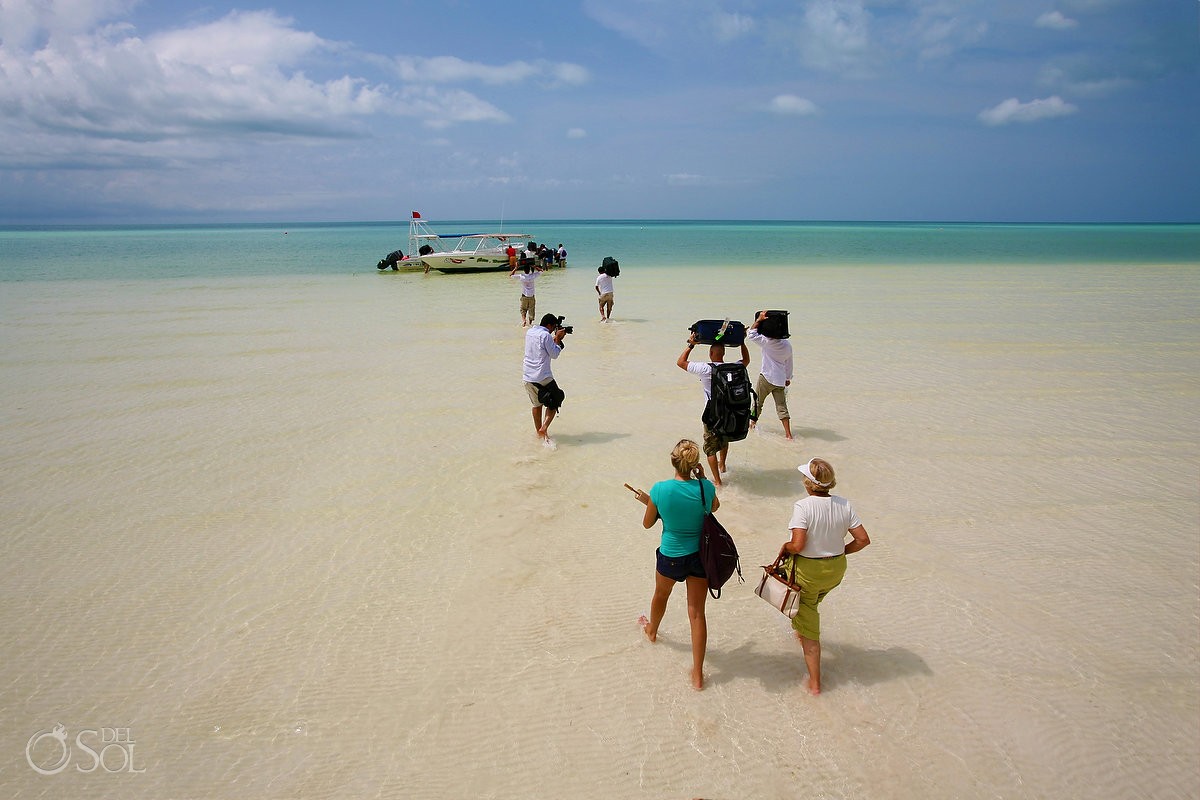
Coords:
470,252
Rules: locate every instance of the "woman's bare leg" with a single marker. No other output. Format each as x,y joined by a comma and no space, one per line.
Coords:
658,604
697,593
812,659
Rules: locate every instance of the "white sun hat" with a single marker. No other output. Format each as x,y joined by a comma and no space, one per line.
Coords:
806,471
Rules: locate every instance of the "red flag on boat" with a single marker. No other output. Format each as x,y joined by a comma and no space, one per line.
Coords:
416,214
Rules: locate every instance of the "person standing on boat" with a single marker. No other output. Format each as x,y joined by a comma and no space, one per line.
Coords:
511,252
604,288
775,375
543,343
528,301
716,447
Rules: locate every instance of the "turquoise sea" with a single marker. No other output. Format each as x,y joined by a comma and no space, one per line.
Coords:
250,250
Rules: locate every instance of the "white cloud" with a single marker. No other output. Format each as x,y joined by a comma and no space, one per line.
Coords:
225,77
939,36
793,105
105,96
576,133
728,27
1084,77
1013,110
671,25
647,24
1055,21
451,69
238,43
440,108
687,179
22,22
566,74
835,35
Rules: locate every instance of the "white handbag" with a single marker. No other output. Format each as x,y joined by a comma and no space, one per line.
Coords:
778,590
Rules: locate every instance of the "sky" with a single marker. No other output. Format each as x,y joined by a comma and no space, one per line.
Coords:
117,111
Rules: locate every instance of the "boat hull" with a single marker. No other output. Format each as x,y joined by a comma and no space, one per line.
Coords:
465,262
407,265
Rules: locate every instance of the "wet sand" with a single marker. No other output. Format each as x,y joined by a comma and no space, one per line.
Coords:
299,538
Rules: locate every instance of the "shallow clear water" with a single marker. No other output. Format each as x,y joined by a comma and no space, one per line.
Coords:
286,521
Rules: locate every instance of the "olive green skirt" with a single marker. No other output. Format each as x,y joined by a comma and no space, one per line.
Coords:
818,577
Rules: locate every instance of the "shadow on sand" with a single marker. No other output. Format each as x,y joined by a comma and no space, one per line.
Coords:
841,665
595,437
818,433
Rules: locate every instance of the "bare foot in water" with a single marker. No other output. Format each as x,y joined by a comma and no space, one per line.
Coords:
698,681
814,687
644,621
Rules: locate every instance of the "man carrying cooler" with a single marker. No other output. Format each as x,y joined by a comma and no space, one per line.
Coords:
604,288
528,300
775,376
715,446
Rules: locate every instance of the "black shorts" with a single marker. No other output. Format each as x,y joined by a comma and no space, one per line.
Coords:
678,568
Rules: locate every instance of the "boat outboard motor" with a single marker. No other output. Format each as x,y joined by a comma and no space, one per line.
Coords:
391,260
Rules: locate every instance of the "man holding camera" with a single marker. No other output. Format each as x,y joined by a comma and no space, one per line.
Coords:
543,343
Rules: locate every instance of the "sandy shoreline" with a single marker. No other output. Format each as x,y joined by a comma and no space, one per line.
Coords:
300,539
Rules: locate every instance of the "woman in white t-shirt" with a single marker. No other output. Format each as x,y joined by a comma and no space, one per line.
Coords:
818,549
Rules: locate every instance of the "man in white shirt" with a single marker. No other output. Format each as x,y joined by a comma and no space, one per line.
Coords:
543,343
528,301
715,446
775,375
604,288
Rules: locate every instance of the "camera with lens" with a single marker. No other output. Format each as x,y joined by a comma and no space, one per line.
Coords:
567,328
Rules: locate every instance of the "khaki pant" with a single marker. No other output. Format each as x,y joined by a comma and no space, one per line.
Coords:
527,306
764,387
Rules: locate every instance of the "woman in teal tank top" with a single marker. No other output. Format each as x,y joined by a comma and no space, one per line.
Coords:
677,503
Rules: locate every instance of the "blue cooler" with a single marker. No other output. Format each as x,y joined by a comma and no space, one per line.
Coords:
706,331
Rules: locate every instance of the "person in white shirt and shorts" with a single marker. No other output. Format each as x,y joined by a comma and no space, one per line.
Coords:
604,288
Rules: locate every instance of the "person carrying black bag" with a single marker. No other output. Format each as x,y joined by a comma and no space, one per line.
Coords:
716,446
677,502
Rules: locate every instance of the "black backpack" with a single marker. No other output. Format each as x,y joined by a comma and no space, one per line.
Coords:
718,553
731,402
